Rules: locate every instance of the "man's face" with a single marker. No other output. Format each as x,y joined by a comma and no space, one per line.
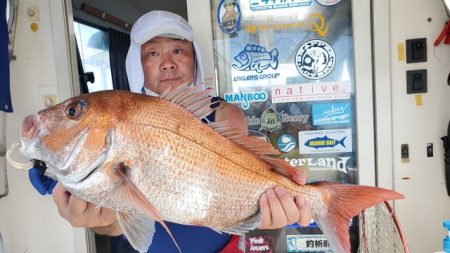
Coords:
167,62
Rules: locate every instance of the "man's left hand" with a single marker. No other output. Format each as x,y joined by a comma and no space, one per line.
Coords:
279,208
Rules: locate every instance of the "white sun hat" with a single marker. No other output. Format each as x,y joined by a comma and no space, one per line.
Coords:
148,26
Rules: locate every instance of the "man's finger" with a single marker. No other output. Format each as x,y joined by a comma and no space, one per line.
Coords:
61,199
288,205
276,210
264,207
300,178
305,211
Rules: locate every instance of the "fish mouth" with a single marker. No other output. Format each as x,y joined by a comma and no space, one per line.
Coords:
239,65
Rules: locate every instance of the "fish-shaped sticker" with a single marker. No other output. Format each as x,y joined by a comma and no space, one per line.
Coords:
324,142
256,58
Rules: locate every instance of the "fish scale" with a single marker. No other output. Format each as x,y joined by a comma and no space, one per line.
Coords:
204,173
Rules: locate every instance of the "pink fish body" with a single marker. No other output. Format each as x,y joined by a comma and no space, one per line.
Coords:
152,158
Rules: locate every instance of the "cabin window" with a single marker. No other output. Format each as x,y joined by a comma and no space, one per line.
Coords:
93,48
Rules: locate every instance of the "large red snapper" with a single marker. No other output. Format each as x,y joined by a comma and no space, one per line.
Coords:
152,158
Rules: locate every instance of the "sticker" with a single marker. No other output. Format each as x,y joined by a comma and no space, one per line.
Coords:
331,114
285,118
245,98
308,243
229,16
256,58
322,163
325,141
246,78
260,5
259,244
302,119
328,2
253,120
310,92
286,143
315,23
270,120
315,59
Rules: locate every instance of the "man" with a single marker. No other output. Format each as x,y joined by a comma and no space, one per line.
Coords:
163,54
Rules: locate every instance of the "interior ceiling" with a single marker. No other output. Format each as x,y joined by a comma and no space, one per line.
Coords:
175,6
129,10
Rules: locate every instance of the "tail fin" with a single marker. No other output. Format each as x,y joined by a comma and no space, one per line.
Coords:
341,203
342,142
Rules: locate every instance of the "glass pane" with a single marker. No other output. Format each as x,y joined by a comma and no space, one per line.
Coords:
93,44
289,65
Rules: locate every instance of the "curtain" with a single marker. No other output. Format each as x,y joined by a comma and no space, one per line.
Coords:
118,47
5,93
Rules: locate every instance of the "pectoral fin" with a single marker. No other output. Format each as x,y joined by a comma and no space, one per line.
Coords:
249,224
129,193
138,228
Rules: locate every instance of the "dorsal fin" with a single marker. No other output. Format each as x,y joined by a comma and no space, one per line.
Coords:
264,150
192,98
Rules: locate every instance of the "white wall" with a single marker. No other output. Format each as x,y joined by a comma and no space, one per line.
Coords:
30,222
401,121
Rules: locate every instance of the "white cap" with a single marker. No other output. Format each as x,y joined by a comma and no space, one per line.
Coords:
148,26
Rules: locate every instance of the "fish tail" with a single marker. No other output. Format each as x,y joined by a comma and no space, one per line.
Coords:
341,202
342,141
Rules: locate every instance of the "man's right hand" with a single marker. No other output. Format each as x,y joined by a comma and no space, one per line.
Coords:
80,213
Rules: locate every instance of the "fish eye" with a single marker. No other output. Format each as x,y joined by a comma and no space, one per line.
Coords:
73,110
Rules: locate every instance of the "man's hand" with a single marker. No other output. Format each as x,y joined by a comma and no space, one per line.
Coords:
80,213
279,208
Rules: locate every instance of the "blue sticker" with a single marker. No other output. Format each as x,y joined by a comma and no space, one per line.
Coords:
260,5
325,141
245,98
331,114
256,58
286,143
229,16
315,59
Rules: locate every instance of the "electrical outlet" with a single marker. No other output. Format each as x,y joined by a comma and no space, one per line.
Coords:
50,100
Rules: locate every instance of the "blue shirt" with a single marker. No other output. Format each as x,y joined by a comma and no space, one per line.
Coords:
191,239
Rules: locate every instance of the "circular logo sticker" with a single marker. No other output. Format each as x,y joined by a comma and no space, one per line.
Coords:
286,143
328,2
315,59
228,16
270,120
